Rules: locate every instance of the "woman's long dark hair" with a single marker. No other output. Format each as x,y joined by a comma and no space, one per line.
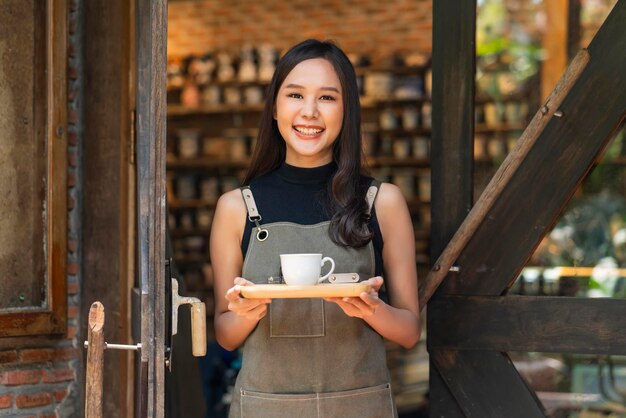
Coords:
348,226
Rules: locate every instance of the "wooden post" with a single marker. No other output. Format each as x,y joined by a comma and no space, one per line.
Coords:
452,152
95,362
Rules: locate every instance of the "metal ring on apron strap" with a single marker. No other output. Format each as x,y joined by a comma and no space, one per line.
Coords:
261,234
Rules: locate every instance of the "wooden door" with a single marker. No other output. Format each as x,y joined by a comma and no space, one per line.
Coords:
472,322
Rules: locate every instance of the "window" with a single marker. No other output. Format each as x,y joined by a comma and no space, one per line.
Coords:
33,157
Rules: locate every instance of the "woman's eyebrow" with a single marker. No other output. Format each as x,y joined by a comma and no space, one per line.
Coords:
297,86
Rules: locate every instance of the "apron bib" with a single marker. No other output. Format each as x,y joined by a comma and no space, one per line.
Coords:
306,358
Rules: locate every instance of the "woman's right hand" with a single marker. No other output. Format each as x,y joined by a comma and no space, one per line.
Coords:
250,309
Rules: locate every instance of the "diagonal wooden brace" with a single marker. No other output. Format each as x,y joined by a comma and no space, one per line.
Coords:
445,262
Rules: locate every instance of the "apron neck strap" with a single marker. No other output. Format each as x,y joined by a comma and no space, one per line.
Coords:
372,192
248,198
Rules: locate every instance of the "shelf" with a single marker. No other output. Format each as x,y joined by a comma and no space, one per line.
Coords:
190,232
500,127
229,83
416,204
403,70
206,162
180,110
397,162
191,203
188,260
482,98
402,131
367,102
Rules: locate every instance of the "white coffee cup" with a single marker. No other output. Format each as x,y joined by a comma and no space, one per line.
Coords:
304,269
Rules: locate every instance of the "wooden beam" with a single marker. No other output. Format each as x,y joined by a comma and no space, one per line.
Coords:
452,150
105,179
529,323
546,179
486,384
441,403
151,43
501,179
95,361
574,28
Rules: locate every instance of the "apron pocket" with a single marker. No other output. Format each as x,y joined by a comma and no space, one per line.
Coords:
297,318
371,402
269,405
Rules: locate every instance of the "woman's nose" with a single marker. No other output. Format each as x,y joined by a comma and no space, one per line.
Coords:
309,109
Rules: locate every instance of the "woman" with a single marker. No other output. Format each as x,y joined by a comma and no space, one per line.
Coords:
313,357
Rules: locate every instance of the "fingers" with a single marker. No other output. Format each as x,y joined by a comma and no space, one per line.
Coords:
253,309
251,312
360,307
242,282
376,283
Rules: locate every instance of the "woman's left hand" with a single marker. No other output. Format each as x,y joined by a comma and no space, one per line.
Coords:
363,306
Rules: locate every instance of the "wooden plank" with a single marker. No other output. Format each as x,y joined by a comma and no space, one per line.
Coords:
95,362
545,180
105,179
486,384
441,403
452,150
574,28
527,323
151,37
501,179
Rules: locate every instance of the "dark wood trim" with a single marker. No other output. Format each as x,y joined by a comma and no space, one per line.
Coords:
486,384
105,172
529,323
151,43
441,403
574,28
51,319
501,180
546,179
452,149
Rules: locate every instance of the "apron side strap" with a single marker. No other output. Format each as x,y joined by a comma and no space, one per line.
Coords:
248,198
372,192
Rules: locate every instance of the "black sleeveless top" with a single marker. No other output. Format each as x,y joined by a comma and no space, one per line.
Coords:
300,195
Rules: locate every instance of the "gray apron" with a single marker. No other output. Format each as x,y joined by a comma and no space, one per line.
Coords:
306,358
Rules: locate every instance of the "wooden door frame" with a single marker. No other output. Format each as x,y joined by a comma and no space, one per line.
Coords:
151,60
471,320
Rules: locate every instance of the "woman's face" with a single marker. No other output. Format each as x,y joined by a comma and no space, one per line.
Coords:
309,112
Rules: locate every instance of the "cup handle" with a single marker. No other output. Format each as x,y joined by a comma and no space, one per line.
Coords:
332,268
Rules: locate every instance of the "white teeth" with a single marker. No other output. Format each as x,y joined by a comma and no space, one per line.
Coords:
308,131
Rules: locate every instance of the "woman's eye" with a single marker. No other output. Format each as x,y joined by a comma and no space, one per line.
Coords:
327,98
295,95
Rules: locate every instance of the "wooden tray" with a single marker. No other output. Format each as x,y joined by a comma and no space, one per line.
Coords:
277,291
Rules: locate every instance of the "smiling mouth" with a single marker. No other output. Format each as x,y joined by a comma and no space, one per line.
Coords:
308,131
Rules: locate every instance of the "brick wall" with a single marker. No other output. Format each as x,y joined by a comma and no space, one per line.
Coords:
40,377
363,26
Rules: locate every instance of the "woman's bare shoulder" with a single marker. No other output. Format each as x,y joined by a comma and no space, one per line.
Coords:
389,198
232,201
